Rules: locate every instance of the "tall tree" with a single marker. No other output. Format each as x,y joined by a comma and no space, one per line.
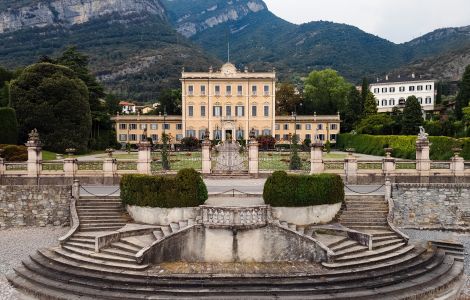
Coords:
370,104
463,97
54,100
325,92
287,99
412,116
170,101
364,93
353,110
8,125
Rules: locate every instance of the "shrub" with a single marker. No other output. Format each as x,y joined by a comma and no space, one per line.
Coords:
14,152
283,190
266,142
186,189
190,142
8,125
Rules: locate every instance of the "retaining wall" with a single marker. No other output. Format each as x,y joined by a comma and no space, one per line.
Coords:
31,205
432,206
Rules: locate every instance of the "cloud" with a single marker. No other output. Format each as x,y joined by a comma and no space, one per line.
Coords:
398,20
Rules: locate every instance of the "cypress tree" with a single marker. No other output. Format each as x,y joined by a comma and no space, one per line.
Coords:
370,105
412,116
364,93
463,96
353,110
8,125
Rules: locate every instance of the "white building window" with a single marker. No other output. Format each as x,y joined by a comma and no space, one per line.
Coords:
420,100
228,90
190,90
239,90
266,90
190,110
376,90
254,90
384,102
428,100
402,89
308,126
217,111
384,90
391,102
123,137
334,126
154,126
392,90
217,90
428,87
419,88
240,111
411,88
203,90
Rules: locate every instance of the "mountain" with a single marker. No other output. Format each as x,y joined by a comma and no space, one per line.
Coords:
138,47
133,48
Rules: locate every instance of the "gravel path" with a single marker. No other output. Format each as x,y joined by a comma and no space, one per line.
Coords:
428,235
18,244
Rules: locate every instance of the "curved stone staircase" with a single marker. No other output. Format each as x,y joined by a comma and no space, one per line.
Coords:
387,269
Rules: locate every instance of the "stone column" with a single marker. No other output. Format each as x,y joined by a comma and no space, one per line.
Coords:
76,189
316,158
423,164
388,162
145,159
70,163
206,156
457,165
388,189
2,163
350,168
34,154
109,164
253,162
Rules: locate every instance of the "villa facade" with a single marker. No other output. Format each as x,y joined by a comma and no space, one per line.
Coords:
229,104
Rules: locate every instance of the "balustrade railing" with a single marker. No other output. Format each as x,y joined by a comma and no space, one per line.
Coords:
440,165
405,165
52,166
126,165
90,165
370,165
16,166
235,216
334,165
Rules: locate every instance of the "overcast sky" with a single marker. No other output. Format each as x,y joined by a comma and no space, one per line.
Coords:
396,20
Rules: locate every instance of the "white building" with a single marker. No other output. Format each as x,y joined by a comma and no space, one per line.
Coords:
392,93
128,107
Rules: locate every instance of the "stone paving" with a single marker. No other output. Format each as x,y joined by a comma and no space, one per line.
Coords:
16,245
426,235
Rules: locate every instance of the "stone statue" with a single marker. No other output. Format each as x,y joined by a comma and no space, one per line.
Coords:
34,135
422,134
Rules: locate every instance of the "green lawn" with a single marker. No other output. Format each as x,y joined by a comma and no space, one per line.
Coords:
47,155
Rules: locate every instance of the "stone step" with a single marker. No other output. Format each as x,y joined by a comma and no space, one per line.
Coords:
369,254
191,222
384,237
102,256
344,244
166,230
367,261
301,230
362,219
81,240
386,243
100,218
118,252
99,209
85,246
350,251
352,224
98,261
183,224
362,227
100,228
127,247
292,226
309,232
158,234
140,241
104,223
100,203
174,227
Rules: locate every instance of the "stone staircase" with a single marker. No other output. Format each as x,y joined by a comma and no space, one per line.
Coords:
100,213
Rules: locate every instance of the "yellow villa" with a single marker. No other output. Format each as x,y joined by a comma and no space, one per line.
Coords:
229,104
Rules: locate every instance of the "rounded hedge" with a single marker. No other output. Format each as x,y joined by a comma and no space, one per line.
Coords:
285,190
186,189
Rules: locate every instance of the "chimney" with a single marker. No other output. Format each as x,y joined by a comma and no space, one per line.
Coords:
399,76
246,69
378,79
211,69
413,75
386,77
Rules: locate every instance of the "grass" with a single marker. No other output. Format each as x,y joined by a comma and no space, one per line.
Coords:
47,155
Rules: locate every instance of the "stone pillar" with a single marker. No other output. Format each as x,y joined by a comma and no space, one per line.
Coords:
253,163
350,168
316,159
109,164
34,154
388,189
206,156
423,164
2,164
70,163
145,158
388,162
76,189
457,166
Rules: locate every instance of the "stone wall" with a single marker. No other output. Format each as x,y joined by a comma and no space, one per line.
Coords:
23,205
432,206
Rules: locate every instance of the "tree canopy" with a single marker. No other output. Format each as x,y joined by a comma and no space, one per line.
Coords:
8,125
412,116
325,92
370,104
352,113
287,99
170,101
54,100
463,97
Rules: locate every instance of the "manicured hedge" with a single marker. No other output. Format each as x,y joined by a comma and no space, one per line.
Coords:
186,189
283,190
403,146
14,152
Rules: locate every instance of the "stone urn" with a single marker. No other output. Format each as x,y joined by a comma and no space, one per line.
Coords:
388,152
109,151
70,151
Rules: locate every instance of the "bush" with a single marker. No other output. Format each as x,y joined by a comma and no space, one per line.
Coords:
8,125
266,142
403,146
14,152
190,142
283,190
186,189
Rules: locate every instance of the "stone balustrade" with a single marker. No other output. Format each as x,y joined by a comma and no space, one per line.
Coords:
255,216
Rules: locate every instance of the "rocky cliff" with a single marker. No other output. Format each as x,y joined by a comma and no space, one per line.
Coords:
192,16
39,14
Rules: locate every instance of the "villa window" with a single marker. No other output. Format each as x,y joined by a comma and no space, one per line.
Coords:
132,137
154,137
143,126
153,126
217,111
239,90
320,127
286,126
190,90
308,126
321,137
191,133
228,90
298,126
384,102
253,111
332,137
217,134
228,111
285,137
428,87
179,126
277,127
202,134
376,90
391,102
179,137
254,90
420,100
240,111
266,90
266,132
190,111
203,90
166,126
123,137
402,89
411,88
392,90
132,126
334,126
384,90
277,137
217,90
419,87
122,126
266,111
428,100
240,134
203,111
308,136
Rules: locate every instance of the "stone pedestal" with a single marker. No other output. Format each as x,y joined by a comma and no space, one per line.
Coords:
388,163
253,162
70,167
109,167
316,159
2,166
388,189
457,165
34,157
206,157
350,169
76,189
144,159
423,164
